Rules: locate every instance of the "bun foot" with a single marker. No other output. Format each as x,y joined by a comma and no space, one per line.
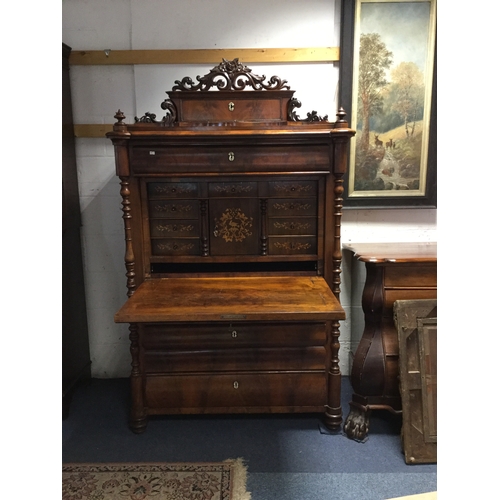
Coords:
138,426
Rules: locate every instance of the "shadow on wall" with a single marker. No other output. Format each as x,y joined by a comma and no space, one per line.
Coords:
105,282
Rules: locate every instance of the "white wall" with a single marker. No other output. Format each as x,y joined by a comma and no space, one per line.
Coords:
99,91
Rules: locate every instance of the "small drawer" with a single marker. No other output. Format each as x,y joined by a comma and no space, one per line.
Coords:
232,189
293,188
290,207
230,110
292,245
174,228
238,392
410,275
188,209
296,226
160,190
176,246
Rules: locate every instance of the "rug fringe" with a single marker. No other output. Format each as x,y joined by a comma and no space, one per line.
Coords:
239,487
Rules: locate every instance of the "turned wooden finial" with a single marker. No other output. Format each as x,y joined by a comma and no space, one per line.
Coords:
341,121
119,125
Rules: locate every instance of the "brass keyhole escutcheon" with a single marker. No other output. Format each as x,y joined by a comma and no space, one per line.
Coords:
230,156
234,334
231,106
235,385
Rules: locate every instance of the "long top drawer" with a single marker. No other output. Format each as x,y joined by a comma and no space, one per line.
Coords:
230,158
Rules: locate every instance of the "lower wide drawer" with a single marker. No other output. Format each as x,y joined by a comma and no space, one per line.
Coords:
237,393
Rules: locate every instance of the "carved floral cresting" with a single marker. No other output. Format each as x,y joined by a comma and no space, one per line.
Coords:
233,225
230,75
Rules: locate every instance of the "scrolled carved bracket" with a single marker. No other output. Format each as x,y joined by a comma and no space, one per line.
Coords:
311,117
168,119
230,75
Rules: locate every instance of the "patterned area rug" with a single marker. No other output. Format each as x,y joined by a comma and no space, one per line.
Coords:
155,481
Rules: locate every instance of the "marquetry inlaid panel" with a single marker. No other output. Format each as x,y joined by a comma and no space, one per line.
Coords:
233,217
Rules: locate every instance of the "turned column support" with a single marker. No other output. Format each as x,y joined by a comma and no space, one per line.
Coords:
333,409
127,220
138,417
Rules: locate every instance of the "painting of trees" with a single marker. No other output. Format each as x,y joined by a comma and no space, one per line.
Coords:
374,59
408,83
392,74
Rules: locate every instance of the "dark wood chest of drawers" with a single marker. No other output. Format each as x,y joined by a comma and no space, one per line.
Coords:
231,208
394,271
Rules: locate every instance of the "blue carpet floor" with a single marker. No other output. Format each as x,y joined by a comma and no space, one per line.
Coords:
287,456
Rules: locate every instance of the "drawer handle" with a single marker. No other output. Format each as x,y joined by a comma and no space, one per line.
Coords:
231,106
234,334
235,385
230,156
152,153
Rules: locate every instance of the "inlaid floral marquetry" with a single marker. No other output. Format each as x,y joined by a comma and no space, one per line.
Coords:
174,228
173,189
169,207
291,246
175,247
295,206
233,188
233,225
293,188
293,226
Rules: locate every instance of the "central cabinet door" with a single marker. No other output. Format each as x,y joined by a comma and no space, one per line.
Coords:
234,216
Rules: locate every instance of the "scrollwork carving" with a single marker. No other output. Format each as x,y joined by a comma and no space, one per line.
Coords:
168,119
311,117
230,75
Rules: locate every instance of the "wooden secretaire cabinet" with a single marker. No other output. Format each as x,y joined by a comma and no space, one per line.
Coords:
232,208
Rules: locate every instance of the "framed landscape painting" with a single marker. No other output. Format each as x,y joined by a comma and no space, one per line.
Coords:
388,89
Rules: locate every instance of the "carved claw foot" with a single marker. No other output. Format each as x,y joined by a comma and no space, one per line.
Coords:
357,424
